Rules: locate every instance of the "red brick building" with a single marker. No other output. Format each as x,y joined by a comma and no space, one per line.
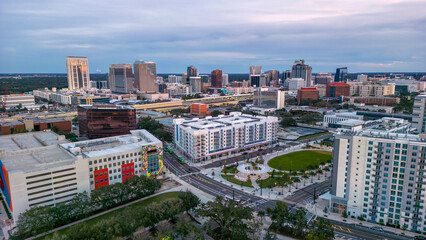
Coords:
216,78
199,109
382,101
35,124
304,94
338,89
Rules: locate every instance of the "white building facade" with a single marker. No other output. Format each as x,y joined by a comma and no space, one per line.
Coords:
295,84
378,174
78,73
338,117
201,139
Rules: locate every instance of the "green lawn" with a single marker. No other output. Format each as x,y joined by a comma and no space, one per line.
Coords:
296,161
230,178
312,136
135,207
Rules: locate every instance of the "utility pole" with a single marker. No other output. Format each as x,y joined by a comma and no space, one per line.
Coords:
233,198
314,195
261,184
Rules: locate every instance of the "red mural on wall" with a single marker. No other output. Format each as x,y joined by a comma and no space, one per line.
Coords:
127,170
101,178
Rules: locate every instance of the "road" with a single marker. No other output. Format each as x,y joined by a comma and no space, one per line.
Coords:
192,176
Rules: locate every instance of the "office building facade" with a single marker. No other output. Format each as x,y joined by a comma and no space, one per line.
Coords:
195,83
301,70
120,78
202,139
78,73
216,78
191,71
295,84
15,100
98,121
269,98
145,76
338,89
341,75
305,94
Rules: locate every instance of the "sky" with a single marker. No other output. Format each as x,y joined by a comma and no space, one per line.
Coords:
364,35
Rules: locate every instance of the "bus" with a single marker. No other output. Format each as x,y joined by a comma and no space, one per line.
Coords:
180,160
168,149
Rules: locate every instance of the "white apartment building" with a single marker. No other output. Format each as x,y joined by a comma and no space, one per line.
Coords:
269,98
43,168
13,100
295,84
362,78
340,116
366,90
419,108
378,173
174,79
239,90
201,139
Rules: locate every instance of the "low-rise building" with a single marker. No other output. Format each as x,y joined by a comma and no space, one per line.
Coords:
339,117
202,139
199,109
15,100
305,94
338,89
44,169
97,121
34,124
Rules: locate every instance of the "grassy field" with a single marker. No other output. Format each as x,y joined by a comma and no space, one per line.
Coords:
312,136
135,207
230,178
296,161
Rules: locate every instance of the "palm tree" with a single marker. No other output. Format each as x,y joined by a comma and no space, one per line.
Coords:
305,176
261,214
319,172
312,174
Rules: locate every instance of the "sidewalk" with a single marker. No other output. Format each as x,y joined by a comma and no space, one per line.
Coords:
319,211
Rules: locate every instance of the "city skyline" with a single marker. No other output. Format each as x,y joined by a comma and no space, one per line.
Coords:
379,36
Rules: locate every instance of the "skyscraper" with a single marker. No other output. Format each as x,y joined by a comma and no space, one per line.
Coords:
225,80
145,75
195,83
78,73
419,113
341,75
273,76
191,72
255,70
301,70
120,77
216,78
254,77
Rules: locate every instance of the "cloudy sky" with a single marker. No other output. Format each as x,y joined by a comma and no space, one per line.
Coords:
364,35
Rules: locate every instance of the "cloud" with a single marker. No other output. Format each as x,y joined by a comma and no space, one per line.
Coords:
365,35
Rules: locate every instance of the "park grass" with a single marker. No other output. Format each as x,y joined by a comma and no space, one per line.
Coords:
312,136
230,178
134,207
297,161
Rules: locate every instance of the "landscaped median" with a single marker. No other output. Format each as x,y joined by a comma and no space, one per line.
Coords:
231,178
301,160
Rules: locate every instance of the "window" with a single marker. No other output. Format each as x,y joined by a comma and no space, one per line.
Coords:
90,162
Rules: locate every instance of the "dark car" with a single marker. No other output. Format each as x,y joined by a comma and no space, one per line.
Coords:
419,237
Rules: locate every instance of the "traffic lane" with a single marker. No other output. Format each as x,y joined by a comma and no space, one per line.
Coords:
309,191
364,232
216,189
228,188
174,167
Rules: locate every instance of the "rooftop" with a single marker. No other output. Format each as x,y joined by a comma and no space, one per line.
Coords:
29,140
339,84
222,121
110,145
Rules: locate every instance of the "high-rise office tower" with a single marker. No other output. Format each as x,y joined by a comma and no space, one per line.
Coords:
273,76
286,75
216,78
254,77
301,70
195,83
255,70
145,75
120,78
225,80
323,78
341,75
78,73
191,72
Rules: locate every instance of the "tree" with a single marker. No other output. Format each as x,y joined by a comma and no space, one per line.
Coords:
279,216
299,222
216,113
42,108
230,218
189,200
288,122
321,229
184,230
154,127
261,214
270,236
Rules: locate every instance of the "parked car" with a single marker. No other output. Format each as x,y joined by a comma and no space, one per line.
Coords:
419,237
377,229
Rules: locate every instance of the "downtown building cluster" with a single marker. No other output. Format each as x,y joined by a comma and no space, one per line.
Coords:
45,169
202,139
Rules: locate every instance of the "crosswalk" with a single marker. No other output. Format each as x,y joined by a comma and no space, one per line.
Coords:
344,236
